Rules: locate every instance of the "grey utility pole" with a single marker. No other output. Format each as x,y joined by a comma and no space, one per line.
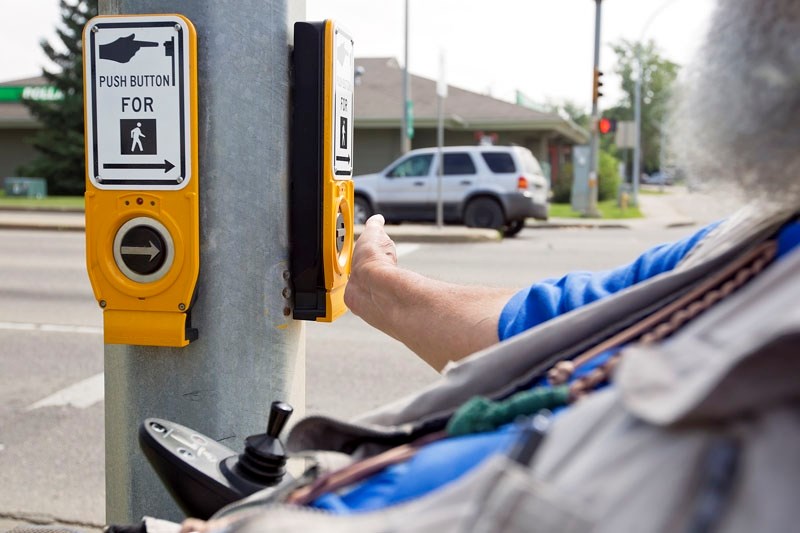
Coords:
637,103
441,94
250,352
637,121
405,138
594,164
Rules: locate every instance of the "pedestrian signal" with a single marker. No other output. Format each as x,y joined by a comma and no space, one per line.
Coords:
142,176
321,170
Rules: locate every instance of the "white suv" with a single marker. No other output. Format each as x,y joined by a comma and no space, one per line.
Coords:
482,186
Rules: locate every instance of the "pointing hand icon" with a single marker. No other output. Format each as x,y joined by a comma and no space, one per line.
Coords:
124,48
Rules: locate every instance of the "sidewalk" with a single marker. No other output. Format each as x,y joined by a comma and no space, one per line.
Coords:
27,523
36,219
675,207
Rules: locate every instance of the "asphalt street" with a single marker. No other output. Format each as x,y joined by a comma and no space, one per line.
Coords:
51,350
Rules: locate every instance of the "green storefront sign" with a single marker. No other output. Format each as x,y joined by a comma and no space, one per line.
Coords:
409,119
41,93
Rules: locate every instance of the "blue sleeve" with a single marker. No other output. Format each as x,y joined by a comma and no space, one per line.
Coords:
555,296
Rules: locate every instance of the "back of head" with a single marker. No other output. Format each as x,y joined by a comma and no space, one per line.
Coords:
738,116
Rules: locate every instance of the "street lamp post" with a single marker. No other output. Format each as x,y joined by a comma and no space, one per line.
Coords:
441,94
637,105
637,119
594,156
405,138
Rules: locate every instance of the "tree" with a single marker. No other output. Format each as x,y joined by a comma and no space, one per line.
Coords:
60,141
574,111
658,78
608,174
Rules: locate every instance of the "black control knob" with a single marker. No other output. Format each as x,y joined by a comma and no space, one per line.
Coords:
264,457
279,413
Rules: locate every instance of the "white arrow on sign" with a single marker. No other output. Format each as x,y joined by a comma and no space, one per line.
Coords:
151,250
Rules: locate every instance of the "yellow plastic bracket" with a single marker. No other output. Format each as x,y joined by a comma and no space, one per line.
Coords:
145,328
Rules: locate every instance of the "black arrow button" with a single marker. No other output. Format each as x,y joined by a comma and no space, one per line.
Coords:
143,250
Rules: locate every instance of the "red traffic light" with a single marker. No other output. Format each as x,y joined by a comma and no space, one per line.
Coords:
606,125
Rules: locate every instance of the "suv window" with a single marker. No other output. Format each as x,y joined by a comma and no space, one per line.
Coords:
529,163
458,164
417,165
499,162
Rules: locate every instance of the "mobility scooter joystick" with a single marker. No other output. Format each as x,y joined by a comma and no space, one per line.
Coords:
203,475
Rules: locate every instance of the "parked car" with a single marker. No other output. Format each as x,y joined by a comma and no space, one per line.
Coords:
482,186
658,178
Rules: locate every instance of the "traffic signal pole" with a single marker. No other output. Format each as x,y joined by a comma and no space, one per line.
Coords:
249,351
406,121
594,164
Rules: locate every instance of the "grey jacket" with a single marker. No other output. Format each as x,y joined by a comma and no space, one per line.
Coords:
713,408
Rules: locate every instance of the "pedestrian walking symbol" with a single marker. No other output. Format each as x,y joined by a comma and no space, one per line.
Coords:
138,136
343,132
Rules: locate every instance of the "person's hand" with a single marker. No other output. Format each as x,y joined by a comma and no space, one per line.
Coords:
374,253
374,248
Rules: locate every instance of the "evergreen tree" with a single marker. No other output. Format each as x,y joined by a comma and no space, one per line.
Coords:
60,141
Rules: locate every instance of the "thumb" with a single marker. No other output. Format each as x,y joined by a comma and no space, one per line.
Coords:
375,221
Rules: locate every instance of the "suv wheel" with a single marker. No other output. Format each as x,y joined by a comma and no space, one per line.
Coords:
362,210
513,227
484,213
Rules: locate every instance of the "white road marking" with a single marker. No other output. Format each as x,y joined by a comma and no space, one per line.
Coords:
91,390
53,328
405,248
82,394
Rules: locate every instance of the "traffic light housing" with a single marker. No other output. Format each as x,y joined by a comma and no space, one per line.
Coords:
606,125
597,83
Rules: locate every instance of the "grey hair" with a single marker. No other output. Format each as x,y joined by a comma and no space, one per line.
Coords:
738,114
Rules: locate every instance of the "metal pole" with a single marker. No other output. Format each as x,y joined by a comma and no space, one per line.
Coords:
405,140
440,169
594,165
249,352
637,120
637,103
661,157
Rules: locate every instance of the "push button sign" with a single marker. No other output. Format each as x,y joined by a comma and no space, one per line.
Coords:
143,250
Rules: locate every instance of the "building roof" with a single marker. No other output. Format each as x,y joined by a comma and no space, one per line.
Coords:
37,80
379,103
15,114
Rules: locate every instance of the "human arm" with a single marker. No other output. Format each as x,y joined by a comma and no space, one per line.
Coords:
439,321
443,322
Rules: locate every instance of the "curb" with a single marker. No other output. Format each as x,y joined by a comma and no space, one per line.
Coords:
682,224
577,225
399,233
42,209
40,227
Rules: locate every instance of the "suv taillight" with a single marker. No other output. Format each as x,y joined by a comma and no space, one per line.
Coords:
522,183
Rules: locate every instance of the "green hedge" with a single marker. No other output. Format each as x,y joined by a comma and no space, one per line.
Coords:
609,180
